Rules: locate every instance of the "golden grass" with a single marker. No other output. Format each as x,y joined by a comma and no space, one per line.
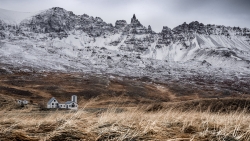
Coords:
123,124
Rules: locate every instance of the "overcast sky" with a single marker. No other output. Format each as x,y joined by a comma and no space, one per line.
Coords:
157,13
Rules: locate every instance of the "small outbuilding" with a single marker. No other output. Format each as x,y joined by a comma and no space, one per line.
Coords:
22,102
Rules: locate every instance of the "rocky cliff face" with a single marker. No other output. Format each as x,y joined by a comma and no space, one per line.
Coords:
120,24
199,28
56,39
57,22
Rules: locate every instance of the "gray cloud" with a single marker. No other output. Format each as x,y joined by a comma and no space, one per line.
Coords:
157,13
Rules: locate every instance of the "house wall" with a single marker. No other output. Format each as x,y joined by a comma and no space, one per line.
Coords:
25,102
69,106
53,105
62,106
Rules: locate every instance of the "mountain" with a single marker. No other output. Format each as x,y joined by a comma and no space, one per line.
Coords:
58,40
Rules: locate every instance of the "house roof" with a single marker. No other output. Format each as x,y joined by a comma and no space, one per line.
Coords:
51,100
69,102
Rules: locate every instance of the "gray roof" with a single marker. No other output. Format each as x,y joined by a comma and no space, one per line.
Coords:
51,100
69,102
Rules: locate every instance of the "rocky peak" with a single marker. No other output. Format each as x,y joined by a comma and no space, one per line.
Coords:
166,30
98,19
194,25
135,22
57,8
149,29
58,11
85,16
59,22
133,19
52,20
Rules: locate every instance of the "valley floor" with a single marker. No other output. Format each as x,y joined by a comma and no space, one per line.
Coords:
119,108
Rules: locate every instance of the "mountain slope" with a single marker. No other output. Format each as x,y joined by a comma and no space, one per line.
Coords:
59,40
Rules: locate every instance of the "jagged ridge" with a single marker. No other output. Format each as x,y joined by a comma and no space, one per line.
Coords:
65,41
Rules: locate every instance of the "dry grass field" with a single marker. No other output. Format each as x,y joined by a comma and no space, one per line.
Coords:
117,110
124,123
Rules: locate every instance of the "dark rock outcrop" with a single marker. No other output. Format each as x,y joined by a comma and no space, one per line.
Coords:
57,22
120,24
166,36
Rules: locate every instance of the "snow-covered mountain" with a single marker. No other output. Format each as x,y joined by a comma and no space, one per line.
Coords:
59,40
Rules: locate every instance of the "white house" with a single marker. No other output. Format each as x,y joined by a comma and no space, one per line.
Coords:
22,102
53,103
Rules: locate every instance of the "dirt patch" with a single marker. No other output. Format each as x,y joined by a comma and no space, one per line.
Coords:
190,129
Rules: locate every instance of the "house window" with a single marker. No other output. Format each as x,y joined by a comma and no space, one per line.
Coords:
52,103
54,100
